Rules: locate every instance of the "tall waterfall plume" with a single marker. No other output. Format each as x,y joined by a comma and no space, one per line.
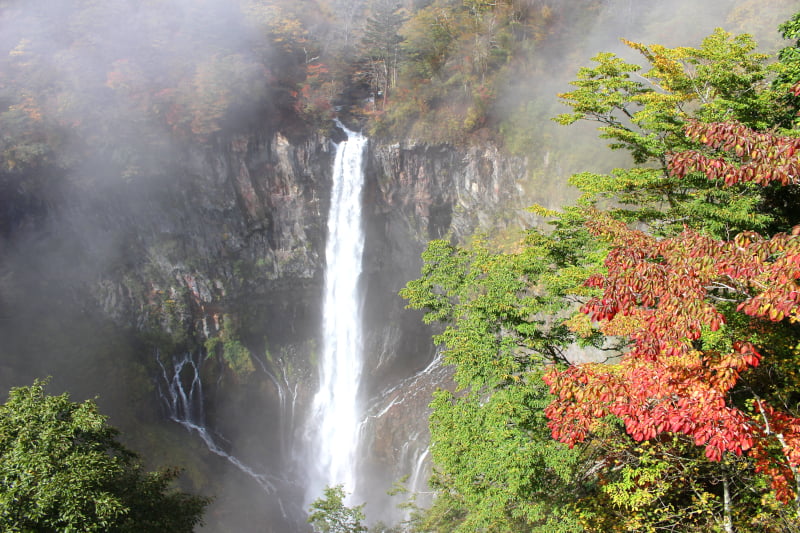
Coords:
334,422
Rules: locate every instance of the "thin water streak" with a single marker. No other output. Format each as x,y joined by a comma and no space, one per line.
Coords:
186,407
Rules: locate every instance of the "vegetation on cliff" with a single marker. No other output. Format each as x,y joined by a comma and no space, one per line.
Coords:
88,101
78,87
680,274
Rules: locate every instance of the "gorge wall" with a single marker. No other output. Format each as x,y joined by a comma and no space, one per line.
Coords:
223,254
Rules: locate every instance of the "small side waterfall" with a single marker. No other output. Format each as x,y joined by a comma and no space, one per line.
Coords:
181,392
335,416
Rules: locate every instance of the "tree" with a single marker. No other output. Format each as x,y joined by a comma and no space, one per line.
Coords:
329,514
645,114
694,427
676,293
671,298
707,310
63,469
495,469
381,46
789,71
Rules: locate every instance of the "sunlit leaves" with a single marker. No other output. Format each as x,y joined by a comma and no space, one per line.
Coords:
643,113
678,299
602,89
495,462
501,462
749,156
63,469
329,514
669,290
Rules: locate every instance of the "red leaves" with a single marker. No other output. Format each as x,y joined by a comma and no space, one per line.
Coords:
679,395
668,289
748,352
666,293
749,156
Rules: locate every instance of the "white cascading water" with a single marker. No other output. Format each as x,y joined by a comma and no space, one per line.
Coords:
181,392
335,416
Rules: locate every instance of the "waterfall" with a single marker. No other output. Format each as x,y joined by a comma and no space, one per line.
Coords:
181,392
335,415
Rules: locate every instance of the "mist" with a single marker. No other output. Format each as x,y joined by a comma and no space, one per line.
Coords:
120,119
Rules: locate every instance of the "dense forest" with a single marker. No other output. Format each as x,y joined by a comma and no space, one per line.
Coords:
76,84
628,365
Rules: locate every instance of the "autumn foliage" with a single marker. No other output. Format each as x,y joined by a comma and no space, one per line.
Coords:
763,158
667,296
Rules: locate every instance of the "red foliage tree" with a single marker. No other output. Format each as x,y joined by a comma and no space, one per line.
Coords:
666,296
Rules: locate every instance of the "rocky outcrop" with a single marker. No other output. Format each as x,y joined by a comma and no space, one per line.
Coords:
438,190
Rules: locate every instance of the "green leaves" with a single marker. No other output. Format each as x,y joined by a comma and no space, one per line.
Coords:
665,426
496,468
602,90
329,514
62,468
492,450
492,313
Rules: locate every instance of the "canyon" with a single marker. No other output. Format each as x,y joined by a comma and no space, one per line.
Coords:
212,274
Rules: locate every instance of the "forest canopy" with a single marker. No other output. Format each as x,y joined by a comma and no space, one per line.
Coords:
677,278
677,273
79,91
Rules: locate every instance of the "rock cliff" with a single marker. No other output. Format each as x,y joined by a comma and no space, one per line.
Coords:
222,254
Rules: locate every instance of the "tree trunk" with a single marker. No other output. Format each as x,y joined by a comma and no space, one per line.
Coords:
726,495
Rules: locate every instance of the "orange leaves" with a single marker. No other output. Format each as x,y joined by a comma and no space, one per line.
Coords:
672,284
780,439
577,388
748,352
29,107
316,94
773,265
685,395
663,282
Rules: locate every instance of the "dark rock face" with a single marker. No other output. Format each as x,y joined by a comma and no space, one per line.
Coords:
416,193
440,189
228,244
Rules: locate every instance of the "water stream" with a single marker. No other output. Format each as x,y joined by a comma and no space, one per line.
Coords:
336,413
181,392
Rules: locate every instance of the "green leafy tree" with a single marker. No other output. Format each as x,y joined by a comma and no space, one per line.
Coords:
329,514
507,314
789,71
645,114
63,469
496,469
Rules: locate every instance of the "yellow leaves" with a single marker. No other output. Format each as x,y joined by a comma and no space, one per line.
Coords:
668,70
636,46
622,325
285,28
580,324
28,107
543,211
